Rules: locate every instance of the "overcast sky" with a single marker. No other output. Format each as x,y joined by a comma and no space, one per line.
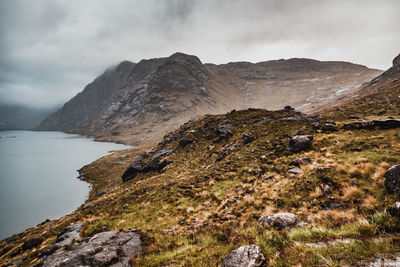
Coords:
50,49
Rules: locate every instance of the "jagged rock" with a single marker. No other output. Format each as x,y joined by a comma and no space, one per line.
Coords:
300,142
394,210
296,170
300,161
185,141
392,179
388,123
32,243
103,249
279,220
329,127
244,256
223,132
139,165
69,234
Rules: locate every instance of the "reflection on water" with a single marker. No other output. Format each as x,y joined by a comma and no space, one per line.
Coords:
38,173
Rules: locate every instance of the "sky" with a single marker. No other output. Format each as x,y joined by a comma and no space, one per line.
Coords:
51,49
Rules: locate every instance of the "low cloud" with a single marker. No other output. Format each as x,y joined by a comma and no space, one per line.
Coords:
50,49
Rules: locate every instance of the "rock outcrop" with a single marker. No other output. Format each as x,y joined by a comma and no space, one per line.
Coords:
103,249
392,179
389,123
245,256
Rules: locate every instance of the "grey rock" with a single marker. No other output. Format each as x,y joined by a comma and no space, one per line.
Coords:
300,142
223,132
244,256
69,234
329,127
296,170
300,161
103,249
394,210
392,179
279,220
388,123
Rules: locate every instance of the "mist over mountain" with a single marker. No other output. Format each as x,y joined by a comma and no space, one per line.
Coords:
18,117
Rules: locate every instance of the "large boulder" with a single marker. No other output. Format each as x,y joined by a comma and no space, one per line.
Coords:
392,179
279,220
140,166
103,249
244,256
300,142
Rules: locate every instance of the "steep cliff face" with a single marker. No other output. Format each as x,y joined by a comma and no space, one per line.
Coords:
139,103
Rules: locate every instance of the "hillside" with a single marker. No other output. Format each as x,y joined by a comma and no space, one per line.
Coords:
139,103
204,189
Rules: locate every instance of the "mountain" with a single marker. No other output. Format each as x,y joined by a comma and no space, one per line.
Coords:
18,117
379,97
137,103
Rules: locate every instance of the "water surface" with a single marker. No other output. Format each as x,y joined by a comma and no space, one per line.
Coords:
38,176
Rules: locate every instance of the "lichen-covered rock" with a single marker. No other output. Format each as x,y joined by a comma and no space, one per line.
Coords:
244,256
279,220
103,249
394,210
223,132
300,142
392,179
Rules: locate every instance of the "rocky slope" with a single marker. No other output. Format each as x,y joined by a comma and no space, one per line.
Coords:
139,103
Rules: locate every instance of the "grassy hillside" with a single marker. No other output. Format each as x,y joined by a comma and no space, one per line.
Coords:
208,201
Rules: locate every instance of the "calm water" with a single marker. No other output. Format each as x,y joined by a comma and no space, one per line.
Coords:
38,176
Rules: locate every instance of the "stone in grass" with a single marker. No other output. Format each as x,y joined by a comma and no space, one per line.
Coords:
394,210
279,220
244,256
300,161
300,142
296,170
392,179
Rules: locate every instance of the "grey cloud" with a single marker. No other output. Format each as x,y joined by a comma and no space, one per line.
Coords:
50,49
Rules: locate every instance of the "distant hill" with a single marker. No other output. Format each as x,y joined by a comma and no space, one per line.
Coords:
138,103
18,117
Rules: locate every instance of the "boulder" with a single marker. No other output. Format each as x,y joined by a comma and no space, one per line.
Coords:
330,127
394,210
300,142
244,256
185,141
139,165
296,170
248,138
392,179
103,249
223,132
69,234
279,220
300,161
